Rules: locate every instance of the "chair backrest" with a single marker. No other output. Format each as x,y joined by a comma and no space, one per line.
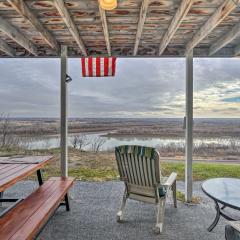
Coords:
138,165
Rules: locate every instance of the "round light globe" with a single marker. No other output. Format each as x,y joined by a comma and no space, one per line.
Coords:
108,4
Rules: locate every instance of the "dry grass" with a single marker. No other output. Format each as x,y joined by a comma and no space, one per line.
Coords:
181,197
130,127
102,166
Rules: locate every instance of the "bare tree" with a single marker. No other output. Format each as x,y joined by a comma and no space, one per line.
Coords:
7,138
80,141
4,129
74,141
97,143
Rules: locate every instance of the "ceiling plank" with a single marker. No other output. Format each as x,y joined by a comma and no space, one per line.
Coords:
6,48
175,23
59,4
141,21
220,14
17,36
105,29
21,7
225,39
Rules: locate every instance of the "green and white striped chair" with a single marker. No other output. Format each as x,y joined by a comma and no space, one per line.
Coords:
139,168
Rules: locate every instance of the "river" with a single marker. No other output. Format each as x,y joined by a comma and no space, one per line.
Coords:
47,142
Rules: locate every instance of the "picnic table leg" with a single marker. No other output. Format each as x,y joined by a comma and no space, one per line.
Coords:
67,202
215,222
39,176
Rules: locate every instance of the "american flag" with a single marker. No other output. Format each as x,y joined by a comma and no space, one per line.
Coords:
98,66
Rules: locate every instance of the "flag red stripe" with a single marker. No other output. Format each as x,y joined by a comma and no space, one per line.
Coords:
106,66
83,67
102,67
98,70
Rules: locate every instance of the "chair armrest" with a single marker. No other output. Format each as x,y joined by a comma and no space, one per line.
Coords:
232,231
235,225
171,179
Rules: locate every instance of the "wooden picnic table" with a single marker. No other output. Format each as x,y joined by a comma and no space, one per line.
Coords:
26,217
15,169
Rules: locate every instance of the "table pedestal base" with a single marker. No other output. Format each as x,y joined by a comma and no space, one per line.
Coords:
218,215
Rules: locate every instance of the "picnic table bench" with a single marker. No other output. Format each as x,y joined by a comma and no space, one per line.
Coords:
26,218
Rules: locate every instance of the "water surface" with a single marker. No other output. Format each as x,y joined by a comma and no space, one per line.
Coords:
47,142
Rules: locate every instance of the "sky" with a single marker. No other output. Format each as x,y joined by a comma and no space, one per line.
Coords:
141,88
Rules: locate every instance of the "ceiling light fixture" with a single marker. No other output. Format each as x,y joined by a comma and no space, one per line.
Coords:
108,4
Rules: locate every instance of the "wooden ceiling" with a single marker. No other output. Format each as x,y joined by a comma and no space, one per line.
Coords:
136,28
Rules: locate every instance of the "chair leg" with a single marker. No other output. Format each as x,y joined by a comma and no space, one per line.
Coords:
1,196
174,191
120,212
160,215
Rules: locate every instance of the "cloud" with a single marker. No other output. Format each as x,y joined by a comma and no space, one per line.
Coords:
141,88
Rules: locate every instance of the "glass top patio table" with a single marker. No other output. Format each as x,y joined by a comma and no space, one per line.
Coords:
224,190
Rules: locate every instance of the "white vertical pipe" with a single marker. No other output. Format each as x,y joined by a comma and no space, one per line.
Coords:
189,128
64,122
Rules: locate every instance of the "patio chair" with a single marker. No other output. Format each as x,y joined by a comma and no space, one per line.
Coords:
232,231
139,169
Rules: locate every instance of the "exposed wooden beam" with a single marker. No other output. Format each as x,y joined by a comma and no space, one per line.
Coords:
221,13
6,48
175,23
225,39
59,4
141,21
105,29
17,36
21,7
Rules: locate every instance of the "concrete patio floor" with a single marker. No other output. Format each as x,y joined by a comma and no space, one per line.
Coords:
93,216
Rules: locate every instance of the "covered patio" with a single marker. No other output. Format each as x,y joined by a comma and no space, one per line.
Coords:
93,215
135,29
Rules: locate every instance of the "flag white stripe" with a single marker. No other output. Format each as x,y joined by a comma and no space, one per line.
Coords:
94,66
110,67
86,66
101,67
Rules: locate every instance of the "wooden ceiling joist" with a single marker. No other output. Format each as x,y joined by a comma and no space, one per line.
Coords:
141,21
21,7
175,23
158,29
105,29
220,14
59,4
17,36
225,39
4,47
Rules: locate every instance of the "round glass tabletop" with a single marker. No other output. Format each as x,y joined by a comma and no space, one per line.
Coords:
224,190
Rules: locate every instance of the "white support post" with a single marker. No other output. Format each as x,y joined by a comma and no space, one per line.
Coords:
64,122
189,128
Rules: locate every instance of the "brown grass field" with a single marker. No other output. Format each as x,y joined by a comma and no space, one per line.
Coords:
128,127
171,128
